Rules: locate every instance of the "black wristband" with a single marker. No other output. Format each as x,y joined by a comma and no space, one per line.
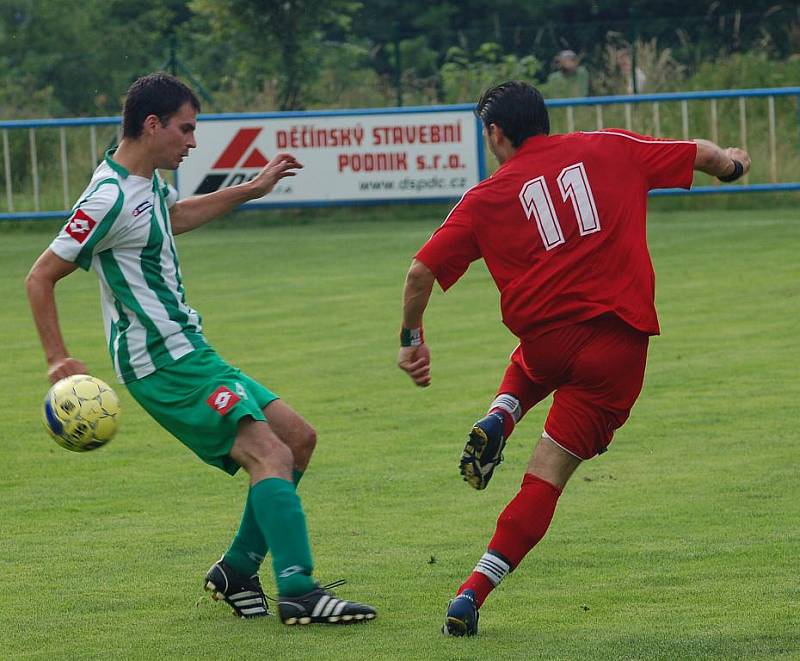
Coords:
411,337
738,171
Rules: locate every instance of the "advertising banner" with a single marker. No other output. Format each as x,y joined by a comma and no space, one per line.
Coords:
347,158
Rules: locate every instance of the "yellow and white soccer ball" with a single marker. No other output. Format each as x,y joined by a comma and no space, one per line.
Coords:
81,413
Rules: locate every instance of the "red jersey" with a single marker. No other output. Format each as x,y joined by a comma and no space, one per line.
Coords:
561,227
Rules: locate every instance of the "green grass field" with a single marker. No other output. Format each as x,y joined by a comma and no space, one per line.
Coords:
681,542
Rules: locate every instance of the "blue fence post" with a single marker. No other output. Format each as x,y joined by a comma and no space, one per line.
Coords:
797,100
482,171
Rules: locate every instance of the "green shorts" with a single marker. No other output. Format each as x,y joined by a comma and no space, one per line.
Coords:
200,399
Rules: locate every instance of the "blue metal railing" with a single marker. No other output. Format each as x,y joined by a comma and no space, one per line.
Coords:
676,96
599,102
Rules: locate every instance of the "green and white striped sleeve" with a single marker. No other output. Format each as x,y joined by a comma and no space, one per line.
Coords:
91,226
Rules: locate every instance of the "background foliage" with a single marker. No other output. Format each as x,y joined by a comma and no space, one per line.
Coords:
77,57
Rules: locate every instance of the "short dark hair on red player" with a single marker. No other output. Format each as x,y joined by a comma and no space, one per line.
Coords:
516,107
158,94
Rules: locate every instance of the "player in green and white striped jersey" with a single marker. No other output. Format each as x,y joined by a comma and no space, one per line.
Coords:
122,228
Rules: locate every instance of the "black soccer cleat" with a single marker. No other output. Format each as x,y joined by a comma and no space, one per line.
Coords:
242,593
462,615
483,451
320,606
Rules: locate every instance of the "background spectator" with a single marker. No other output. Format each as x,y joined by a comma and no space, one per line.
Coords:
625,64
571,79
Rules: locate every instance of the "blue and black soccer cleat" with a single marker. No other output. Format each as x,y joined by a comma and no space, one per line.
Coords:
483,451
242,593
320,606
462,615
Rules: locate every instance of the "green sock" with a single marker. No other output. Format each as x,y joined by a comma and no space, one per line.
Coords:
280,516
249,548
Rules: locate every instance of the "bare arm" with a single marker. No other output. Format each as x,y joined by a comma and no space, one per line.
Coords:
719,162
417,292
415,360
40,284
196,211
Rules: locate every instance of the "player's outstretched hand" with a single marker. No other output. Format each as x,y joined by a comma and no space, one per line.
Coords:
282,165
65,367
740,155
416,362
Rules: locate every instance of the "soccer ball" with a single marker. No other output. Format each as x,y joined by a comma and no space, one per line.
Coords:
81,413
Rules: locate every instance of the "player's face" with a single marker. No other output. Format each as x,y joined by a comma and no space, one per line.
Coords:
489,134
176,138
498,143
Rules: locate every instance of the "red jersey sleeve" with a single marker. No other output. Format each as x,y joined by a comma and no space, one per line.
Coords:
664,163
452,247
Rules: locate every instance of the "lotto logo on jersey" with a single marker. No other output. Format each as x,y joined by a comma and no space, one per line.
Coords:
222,400
240,154
80,226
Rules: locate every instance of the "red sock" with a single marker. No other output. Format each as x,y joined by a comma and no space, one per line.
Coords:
520,526
479,584
508,421
525,520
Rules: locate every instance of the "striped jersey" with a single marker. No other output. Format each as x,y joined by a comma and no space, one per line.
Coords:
120,228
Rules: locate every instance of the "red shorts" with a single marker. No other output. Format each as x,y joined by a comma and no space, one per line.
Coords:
596,369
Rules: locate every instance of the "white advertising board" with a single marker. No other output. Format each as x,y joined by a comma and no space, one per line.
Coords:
346,157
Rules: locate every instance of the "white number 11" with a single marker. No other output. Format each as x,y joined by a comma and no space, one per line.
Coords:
573,184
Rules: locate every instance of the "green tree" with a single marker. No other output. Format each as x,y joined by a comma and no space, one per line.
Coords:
463,80
85,52
280,39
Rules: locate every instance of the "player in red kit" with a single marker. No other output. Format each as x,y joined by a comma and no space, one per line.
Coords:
561,227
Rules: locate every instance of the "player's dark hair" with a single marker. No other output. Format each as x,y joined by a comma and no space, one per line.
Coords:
516,107
156,94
